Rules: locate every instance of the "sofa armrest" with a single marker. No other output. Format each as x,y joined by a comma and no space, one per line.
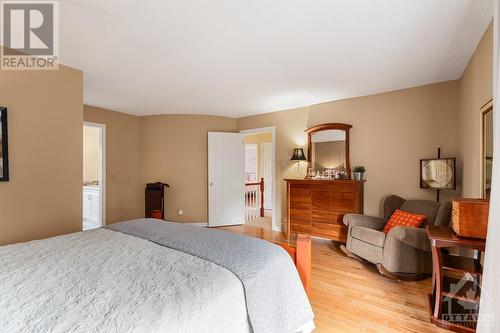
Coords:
414,237
359,220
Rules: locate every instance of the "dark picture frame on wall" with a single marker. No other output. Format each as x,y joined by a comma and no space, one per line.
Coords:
438,173
4,146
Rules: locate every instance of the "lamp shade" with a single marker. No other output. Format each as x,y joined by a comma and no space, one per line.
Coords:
298,155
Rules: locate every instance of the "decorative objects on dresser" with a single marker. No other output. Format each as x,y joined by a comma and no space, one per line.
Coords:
470,217
4,147
456,281
298,155
359,172
404,252
328,174
316,207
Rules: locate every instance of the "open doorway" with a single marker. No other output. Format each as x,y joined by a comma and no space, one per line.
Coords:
259,178
486,149
93,176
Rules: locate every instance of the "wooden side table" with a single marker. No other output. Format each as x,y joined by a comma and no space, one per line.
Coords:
456,281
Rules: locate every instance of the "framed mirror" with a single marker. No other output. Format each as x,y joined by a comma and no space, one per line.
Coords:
328,148
486,149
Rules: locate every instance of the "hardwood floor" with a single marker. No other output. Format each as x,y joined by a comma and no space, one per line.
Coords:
261,222
350,296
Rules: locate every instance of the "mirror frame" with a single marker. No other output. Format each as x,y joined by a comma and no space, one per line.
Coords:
485,109
324,127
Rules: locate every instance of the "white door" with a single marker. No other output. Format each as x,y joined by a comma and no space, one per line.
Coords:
226,174
267,173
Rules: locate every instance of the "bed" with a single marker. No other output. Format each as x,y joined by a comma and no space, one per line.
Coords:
148,275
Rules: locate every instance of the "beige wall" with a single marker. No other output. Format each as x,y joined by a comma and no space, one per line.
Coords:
174,150
90,154
391,133
168,148
44,195
124,189
476,89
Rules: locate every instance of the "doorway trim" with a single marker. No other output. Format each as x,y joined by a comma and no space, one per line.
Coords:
485,109
269,129
102,168
263,147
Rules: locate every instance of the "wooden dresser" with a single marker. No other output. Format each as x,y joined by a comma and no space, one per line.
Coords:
316,207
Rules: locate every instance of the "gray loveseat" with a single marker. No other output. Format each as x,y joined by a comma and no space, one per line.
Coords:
404,252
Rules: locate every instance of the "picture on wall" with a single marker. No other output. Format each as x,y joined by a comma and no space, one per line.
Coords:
438,173
4,154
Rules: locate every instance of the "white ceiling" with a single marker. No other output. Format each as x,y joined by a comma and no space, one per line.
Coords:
243,57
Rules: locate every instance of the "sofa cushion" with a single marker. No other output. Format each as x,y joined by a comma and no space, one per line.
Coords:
364,249
404,219
370,236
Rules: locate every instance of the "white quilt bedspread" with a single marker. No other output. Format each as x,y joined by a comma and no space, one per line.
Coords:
106,281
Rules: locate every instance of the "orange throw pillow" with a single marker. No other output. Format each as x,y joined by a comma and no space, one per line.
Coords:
404,219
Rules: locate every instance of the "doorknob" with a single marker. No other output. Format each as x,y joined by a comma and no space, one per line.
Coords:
211,184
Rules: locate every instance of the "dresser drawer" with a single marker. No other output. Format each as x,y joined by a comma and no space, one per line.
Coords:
300,214
296,228
300,195
297,205
344,195
343,201
317,207
321,200
301,222
334,186
330,230
321,216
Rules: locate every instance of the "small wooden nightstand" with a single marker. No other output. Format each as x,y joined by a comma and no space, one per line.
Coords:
454,301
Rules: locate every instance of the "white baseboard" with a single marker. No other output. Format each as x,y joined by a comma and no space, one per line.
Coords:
199,224
196,224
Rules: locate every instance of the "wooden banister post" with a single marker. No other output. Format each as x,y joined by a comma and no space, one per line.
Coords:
262,197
